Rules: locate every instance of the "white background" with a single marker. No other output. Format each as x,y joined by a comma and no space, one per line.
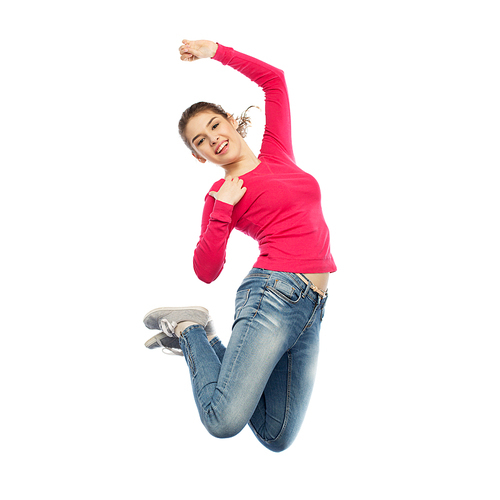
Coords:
395,109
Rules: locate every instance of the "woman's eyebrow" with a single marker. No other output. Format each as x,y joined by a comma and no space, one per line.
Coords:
208,125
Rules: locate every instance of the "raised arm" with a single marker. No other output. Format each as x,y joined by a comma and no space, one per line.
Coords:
277,135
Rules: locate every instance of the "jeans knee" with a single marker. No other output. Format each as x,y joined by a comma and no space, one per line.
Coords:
224,428
223,432
278,445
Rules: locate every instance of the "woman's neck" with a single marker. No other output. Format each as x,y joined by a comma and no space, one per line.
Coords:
245,164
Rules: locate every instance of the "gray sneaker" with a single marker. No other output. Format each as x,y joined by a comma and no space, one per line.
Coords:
168,317
166,341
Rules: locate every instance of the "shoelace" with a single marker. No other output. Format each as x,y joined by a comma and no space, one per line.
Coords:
169,329
171,351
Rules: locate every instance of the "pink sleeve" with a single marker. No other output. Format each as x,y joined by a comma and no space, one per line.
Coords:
210,253
278,134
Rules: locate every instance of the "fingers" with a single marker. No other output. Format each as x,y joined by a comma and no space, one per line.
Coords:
199,49
185,46
235,180
186,51
191,51
231,191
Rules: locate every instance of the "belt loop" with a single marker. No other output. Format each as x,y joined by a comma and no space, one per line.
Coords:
306,291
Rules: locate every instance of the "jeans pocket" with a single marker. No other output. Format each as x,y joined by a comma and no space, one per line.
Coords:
240,301
285,291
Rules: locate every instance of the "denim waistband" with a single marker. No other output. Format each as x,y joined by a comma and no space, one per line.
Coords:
293,278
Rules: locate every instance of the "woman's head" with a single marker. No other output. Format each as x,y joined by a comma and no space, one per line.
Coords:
211,133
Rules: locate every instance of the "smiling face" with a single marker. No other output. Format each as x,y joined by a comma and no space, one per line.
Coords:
213,138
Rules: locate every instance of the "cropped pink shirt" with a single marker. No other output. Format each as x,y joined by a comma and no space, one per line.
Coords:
281,208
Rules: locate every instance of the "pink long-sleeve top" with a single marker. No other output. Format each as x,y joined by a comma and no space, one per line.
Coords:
281,208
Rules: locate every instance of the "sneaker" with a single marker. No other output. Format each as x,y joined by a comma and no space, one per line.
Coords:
166,341
167,318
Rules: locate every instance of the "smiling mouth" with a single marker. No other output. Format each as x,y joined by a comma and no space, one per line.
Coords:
222,147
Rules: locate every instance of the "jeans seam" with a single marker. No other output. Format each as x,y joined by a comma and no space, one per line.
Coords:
192,365
308,325
214,405
238,311
311,319
287,404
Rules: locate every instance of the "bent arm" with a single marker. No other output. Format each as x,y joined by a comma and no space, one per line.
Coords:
210,252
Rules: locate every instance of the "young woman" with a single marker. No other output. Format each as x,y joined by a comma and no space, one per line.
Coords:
265,375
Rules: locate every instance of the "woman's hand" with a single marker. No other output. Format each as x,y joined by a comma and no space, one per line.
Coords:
231,191
199,49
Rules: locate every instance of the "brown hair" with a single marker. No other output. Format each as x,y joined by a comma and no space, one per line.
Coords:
243,120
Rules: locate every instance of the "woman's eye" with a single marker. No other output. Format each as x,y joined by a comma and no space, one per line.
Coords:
201,140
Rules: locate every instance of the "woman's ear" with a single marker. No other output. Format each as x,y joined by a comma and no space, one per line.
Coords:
201,160
233,122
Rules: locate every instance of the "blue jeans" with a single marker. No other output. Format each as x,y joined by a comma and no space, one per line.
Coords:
266,374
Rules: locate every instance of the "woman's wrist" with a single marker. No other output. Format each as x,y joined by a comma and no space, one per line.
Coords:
214,48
